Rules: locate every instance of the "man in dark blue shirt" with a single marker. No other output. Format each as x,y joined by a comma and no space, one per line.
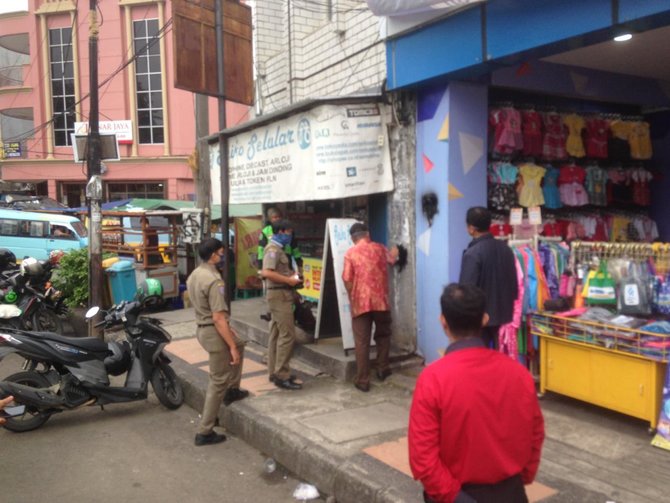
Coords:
488,263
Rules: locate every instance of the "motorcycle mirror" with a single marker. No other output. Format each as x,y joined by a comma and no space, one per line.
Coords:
92,312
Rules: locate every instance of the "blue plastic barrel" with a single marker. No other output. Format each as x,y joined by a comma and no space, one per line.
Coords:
122,281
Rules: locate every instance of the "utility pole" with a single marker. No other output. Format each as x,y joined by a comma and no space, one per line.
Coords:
94,185
203,182
223,145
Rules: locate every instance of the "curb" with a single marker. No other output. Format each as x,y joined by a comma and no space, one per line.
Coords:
350,480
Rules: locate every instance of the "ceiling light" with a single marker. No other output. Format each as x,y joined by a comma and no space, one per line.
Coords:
624,37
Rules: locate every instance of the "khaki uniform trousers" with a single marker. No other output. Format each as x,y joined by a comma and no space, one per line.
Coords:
282,332
222,375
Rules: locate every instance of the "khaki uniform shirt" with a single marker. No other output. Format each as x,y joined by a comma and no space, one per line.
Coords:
274,258
207,292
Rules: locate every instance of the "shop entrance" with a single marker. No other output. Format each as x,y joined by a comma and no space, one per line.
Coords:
309,219
578,149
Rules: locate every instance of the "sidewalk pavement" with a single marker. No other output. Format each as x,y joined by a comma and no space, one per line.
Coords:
353,445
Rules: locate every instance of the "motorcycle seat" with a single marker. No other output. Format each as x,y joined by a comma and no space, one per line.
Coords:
92,344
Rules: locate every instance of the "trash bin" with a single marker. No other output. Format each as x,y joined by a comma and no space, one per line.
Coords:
122,281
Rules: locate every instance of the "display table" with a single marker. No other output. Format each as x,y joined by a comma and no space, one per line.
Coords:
602,364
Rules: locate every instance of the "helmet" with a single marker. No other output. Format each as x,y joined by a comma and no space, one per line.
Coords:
119,361
31,267
7,259
150,293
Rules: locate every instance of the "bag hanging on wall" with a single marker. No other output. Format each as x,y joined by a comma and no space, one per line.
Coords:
633,298
601,288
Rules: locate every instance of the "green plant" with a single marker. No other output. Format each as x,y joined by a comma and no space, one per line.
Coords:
71,277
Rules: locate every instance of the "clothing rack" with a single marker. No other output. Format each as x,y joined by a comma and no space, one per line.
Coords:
522,242
585,250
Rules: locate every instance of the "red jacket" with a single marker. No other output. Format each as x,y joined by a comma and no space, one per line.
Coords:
475,419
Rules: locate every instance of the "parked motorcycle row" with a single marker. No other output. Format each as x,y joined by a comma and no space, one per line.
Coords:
28,301
63,373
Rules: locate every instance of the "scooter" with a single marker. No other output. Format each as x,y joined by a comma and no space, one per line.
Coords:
40,306
63,373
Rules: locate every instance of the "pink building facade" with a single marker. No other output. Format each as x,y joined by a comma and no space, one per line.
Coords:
44,84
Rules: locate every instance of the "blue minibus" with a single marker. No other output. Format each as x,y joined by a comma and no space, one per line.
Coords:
33,234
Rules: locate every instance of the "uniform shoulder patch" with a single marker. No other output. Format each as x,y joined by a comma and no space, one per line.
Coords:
222,287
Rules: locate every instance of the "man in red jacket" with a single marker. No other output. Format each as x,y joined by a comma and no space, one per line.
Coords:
475,426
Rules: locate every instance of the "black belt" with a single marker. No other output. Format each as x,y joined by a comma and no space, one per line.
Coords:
279,288
206,325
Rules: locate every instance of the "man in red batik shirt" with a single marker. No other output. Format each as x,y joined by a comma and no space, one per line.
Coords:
365,277
475,426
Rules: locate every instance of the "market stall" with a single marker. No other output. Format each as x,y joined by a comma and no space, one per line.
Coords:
569,185
150,240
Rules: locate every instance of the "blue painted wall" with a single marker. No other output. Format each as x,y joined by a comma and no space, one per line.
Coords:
432,249
468,105
459,162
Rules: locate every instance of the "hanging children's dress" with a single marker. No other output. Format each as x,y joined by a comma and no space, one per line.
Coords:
596,185
531,192
506,124
553,143
552,198
502,177
618,144
640,140
619,188
571,186
597,132
531,125
640,179
574,145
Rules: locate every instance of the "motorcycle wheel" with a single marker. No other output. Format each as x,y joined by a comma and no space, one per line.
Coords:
166,386
31,418
46,320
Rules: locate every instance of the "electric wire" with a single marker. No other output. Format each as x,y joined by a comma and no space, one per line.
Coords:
36,59
161,32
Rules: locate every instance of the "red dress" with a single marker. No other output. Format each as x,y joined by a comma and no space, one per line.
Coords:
531,125
597,131
506,124
553,144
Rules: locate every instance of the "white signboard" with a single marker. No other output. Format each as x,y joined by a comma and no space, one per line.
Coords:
337,242
122,129
328,152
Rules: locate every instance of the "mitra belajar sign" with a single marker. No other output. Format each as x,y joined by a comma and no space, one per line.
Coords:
328,152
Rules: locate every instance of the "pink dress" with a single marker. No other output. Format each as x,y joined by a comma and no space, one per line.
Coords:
507,334
571,186
507,137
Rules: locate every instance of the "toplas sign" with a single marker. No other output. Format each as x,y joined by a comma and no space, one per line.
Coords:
329,152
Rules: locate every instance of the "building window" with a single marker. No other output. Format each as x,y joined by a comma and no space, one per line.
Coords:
62,84
132,190
148,80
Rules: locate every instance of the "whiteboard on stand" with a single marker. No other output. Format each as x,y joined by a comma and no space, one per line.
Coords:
336,243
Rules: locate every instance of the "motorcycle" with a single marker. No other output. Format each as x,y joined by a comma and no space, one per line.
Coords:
40,311
63,373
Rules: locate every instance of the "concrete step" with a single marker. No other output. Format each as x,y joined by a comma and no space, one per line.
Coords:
326,355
